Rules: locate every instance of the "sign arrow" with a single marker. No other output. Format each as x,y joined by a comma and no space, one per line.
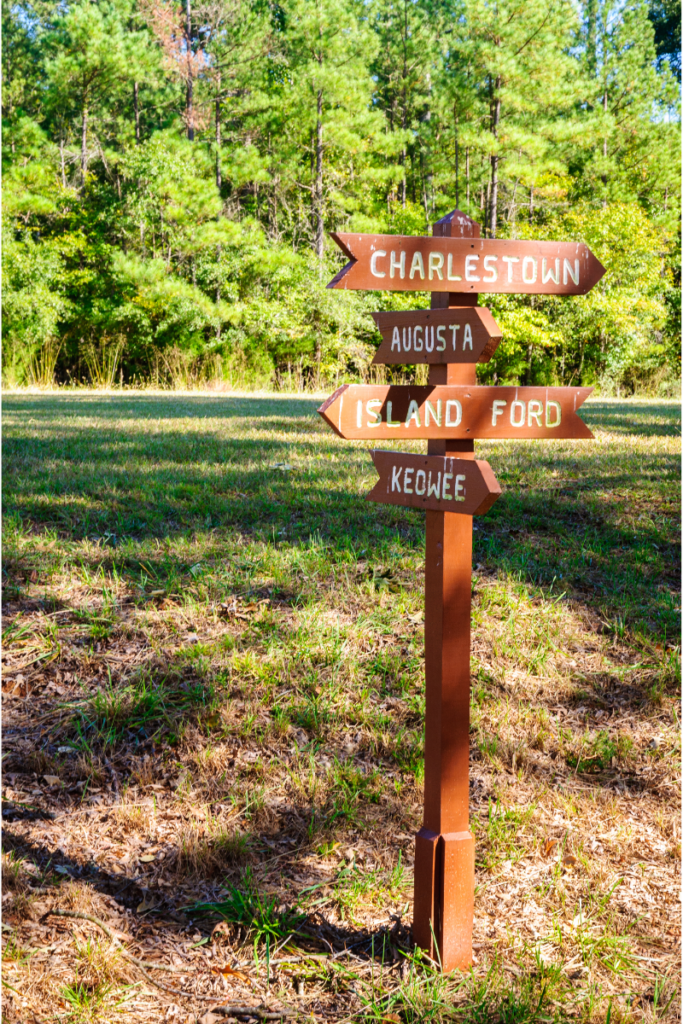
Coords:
465,334
435,482
442,264
454,411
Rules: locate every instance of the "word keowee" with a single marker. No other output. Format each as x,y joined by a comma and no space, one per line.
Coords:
410,263
452,411
460,335
436,482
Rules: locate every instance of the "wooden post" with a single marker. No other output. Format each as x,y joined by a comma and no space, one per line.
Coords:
444,846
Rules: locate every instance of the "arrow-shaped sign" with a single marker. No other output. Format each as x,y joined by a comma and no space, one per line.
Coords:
464,334
440,264
402,411
435,482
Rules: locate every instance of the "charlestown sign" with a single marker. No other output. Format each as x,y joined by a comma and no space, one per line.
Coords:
452,487
441,264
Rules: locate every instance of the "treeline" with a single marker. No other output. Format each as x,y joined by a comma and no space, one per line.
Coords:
172,171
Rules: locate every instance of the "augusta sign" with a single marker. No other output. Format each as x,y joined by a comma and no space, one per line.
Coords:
452,486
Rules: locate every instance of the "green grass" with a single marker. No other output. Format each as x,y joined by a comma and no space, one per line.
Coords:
241,646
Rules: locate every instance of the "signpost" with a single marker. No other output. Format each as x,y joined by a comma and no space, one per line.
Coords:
451,486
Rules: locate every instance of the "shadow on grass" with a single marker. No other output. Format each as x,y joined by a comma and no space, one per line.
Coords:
598,529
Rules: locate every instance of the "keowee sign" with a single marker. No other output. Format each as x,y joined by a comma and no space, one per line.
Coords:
440,264
449,412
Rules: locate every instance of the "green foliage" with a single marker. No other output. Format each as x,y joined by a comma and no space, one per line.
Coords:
168,192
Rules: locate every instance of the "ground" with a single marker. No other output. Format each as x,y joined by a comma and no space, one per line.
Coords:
213,705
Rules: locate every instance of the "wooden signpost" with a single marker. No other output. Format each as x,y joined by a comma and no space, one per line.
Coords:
455,264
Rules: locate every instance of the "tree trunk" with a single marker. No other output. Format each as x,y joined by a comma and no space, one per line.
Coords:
189,115
467,175
495,121
318,189
219,177
604,146
136,107
404,112
84,144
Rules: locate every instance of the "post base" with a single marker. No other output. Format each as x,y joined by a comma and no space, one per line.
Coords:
444,897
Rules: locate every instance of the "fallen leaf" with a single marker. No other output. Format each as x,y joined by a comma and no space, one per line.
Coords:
549,847
209,1018
221,929
147,904
570,862
229,972
391,1018
147,858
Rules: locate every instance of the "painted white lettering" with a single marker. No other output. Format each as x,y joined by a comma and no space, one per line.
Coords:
493,271
450,276
558,414
547,274
458,489
454,331
431,489
567,269
359,414
396,478
429,339
441,338
510,260
370,407
418,348
406,348
444,496
429,411
517,404
535,411
373,263
470,267
467,340
420,473
390,422
529,262
417,266
458,413
396,339
397,264
435,265
498,410
413,413
407,480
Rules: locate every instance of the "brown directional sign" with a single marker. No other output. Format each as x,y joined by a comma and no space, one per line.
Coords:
434,482
466,334
401,412
442,264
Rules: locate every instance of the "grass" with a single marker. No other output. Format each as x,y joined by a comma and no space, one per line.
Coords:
214,699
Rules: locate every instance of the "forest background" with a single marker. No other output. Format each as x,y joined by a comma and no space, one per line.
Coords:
172,171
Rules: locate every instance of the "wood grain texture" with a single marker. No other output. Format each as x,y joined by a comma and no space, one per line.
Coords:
436,482
467,334
470,266
406,411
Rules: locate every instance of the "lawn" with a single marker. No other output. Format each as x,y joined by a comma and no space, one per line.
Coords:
213,705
